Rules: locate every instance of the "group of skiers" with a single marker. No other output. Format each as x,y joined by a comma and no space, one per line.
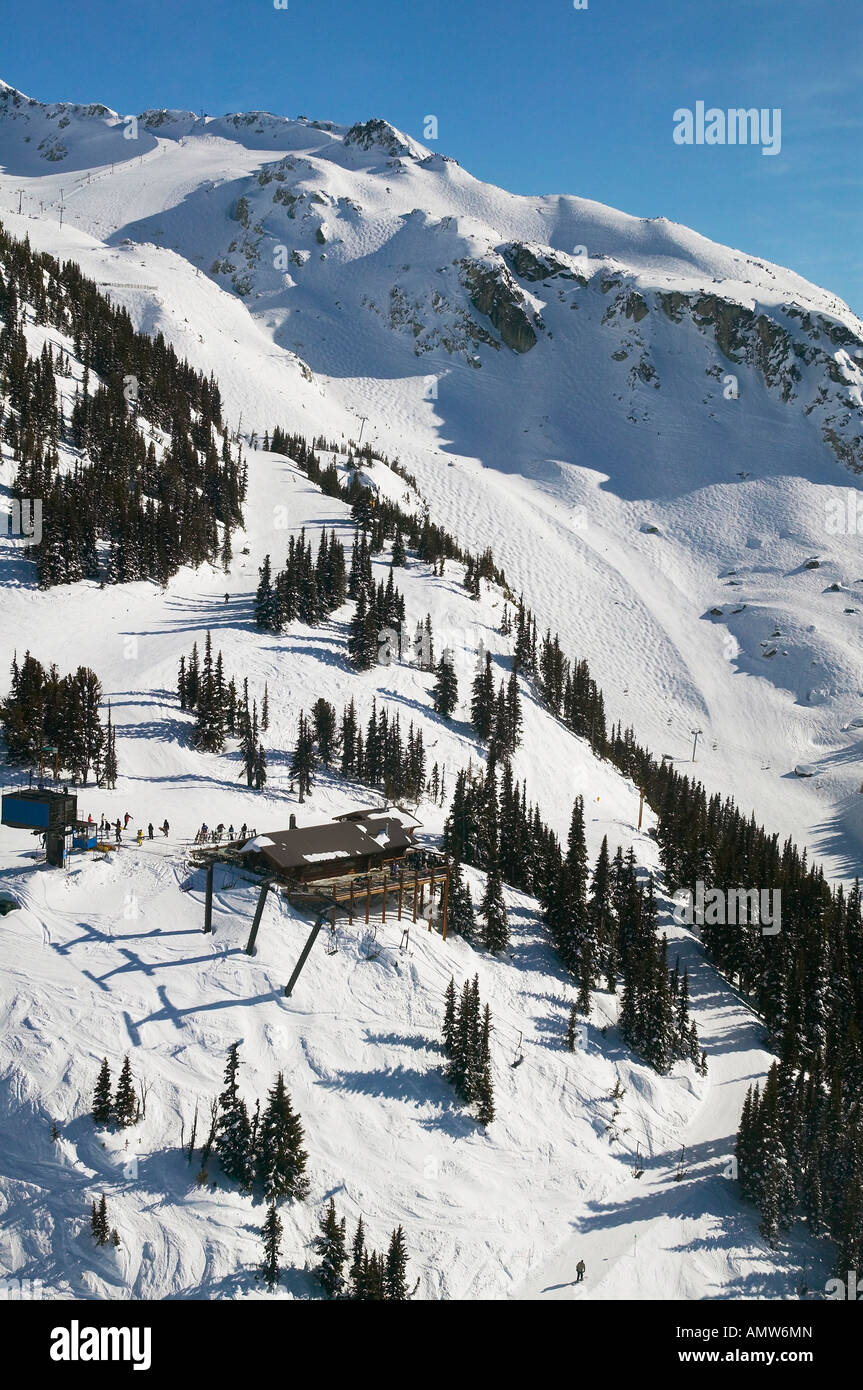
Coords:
206,836
106,827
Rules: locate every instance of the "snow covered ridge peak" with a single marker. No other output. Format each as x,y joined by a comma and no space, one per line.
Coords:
377,132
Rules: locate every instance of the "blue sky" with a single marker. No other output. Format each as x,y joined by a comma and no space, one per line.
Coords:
541,98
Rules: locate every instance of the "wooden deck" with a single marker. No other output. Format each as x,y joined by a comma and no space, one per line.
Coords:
402,895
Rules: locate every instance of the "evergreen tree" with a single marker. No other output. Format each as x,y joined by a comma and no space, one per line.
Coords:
233,1131
446,686
303,760
494,933
125,1110
332,1249
103,1107
99,1221
485,1088
358,1257
271,1236
483,701
460,912
449,1017
395,1269
281,1159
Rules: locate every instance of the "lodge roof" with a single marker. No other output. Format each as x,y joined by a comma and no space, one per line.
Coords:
377,834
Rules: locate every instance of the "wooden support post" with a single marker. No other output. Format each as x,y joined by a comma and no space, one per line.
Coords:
445,903
401,891
351,915
368,897
384,903
416,890
304,955
431,898
259,912
208,899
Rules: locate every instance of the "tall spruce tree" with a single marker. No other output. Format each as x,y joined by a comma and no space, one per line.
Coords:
333,1252
271,1237
280,1161
103,1104
233,1131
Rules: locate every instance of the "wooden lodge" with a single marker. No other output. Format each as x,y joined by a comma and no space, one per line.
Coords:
358,842
344,867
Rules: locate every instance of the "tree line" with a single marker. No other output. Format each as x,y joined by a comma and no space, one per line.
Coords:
46,710
154,483
222,712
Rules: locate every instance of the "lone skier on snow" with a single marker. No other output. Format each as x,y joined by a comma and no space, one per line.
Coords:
579,1271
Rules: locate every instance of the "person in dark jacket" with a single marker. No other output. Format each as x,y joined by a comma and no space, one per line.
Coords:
150,830
579,1271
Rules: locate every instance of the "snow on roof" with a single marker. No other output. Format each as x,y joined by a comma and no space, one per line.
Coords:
326,854
259,842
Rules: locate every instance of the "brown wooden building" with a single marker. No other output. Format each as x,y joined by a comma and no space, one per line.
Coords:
354,843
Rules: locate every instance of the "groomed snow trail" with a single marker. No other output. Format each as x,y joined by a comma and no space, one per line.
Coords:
659,1237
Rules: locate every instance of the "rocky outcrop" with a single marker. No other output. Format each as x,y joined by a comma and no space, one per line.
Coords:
494,293
367,134
536,263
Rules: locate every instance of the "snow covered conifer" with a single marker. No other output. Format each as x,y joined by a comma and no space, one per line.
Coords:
485,1087
460,912
330,1245
449,1018
125,1109
358,1258
494,933
233,1131
304,758
572,1027
395,1269
271,1235
103,1107
281,1159
445,691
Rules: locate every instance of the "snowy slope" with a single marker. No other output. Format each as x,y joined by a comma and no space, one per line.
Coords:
352,258
562,457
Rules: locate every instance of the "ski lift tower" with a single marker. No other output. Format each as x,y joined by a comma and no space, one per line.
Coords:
46,810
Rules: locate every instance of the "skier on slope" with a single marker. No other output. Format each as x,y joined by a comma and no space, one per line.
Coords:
140,836
150,830
579,1271
118,834
126,820
165,828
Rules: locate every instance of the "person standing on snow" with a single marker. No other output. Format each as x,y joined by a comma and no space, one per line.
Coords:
150,830
118,834
165,828
140,836
126,820
579,1271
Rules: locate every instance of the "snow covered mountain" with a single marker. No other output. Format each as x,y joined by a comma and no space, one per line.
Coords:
652,432
676,424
